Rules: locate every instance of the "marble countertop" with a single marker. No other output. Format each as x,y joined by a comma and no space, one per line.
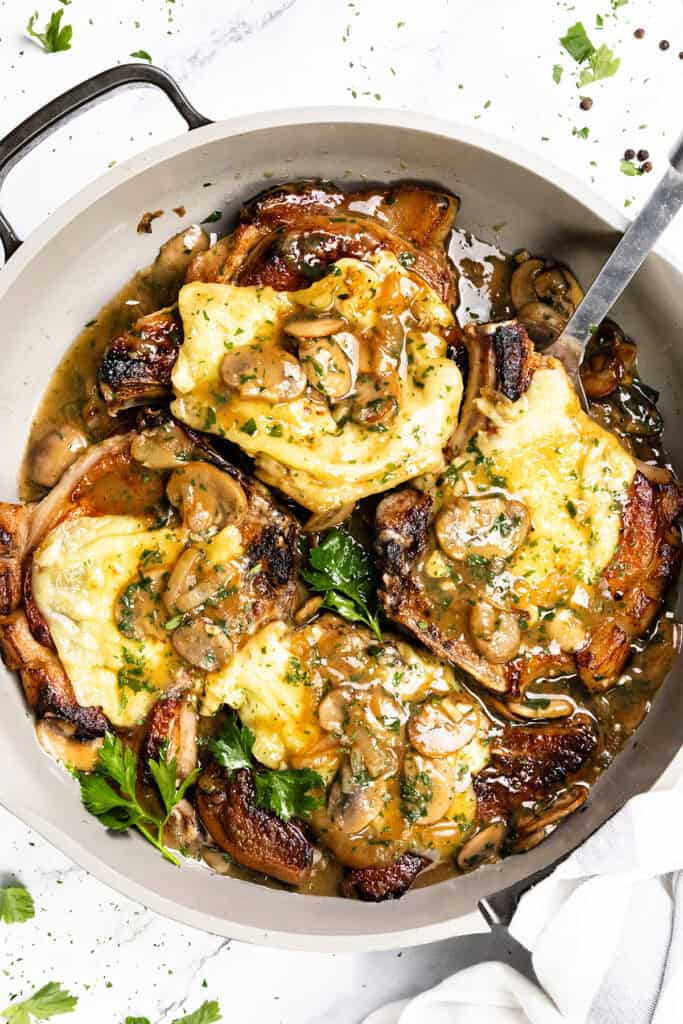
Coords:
489,64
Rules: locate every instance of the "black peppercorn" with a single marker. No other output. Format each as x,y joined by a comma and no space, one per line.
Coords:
629,154
639,33
664,44
586,103
646,167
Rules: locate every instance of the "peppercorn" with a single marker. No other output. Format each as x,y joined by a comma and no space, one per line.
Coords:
586,103
664,44
639,33
680,56
646,167
643,155
629,154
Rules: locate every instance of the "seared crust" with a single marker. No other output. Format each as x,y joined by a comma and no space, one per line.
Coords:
645,563
527,763
14,531
172,732
137,366
46,685
255,838
374,885
514,359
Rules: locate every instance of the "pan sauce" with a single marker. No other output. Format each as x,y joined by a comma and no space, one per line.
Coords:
484,277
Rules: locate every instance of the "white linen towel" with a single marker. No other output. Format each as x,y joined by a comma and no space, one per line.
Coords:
605,931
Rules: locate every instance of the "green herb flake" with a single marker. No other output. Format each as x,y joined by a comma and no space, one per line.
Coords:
16,904
49,1001
142,55
576,43
557,73
341,569
55,37
249,427
630,169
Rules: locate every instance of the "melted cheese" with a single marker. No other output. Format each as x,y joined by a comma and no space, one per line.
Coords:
79,573
297,445
572,475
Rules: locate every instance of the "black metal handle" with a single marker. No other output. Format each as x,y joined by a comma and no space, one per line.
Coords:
57,112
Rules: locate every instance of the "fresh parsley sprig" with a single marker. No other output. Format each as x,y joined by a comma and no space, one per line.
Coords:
117,806
286,793
208,1013
49,1001
597,63
16,904
55,37
340,568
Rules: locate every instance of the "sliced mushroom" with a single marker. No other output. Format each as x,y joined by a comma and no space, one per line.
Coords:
321,521
522,290
54,453
207,498
59,739
163,447
530,821
333,711
327,367
182,828
184,576
138,610
354,802
537,707
440,728
272,374
566,629
306,327
484,847
375,402
210,589
543,323
308,609
428,788
495,632
203,644
371,752
533,280
610,358
491,527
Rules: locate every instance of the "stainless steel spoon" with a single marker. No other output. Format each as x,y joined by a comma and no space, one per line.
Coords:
635,245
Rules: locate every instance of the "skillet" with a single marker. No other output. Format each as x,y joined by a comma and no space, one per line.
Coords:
55,281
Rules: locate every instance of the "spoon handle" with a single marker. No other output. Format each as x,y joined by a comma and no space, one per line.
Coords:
633,248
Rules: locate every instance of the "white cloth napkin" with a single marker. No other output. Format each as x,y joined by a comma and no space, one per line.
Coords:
605,931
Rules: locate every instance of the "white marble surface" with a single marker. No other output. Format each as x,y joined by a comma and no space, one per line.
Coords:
446,57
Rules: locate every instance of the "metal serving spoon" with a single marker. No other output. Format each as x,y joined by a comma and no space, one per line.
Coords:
635,245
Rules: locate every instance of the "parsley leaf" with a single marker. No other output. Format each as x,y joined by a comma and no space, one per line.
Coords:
16,904
49,1001
207,1013
341,569
117,806
232,748
54,37
286,793
138,1020
576,43
602,64
557,73
141,55
629,168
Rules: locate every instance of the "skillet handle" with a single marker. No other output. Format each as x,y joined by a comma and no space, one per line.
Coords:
57,112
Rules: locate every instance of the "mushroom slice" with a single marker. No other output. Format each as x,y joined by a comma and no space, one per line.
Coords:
333,710
491,527
543,323
207,498
54,453
532,825
321,521
272,374
307,327
440,728
495,632
60,740
374,402
428,788
162,447
522,290
355,801
541,707
327,367
484,847
203,644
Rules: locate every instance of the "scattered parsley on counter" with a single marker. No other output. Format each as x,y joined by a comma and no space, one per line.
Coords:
49,1001
598,64
55,37
286,793
340,568
142,55
117,805
629,168
16,904
557,73
138,1020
